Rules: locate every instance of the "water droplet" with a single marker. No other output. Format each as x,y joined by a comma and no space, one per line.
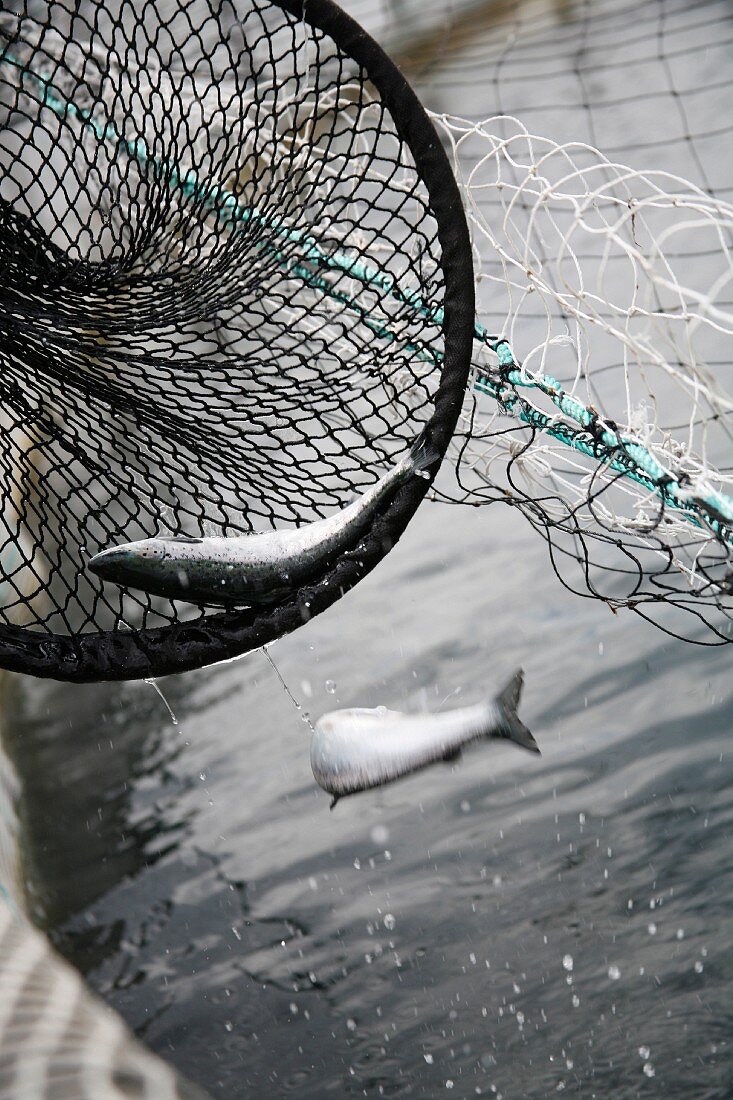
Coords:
351,1024
357,864
202,776
652,928
229,1025
449,1084
576,1000
465,806
389,922
151,682
680,933
568,962
330,686
648,1069
236,932
698,966
644,1053
380,834
293,1008
614,973
428,1058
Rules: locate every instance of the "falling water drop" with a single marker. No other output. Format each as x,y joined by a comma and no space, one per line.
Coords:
154,684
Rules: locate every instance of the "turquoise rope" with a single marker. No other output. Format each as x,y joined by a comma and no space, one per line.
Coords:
622,453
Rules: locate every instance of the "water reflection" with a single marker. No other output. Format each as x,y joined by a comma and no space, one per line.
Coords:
100,788
507,927
530,928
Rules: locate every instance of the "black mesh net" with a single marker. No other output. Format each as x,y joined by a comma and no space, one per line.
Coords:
235,285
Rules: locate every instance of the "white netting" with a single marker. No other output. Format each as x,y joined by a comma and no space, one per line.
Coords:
597,195
615,283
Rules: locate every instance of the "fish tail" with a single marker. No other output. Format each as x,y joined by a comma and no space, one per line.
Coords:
422,455
510,724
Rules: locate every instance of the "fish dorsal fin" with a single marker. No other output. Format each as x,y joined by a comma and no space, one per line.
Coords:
180,538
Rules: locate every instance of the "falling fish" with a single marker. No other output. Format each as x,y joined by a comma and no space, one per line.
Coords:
251,569
353,750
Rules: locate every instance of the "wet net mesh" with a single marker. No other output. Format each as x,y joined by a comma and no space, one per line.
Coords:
597,173
235,285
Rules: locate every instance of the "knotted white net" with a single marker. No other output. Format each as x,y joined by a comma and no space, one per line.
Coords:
596,171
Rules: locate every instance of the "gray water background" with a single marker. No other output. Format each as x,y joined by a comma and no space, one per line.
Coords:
508,925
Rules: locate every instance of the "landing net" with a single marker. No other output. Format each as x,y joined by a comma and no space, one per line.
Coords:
238,284
219,228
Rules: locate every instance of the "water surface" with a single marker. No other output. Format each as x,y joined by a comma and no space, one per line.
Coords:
508,926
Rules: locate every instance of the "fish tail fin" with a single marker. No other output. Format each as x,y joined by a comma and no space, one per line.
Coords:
422,455
510,724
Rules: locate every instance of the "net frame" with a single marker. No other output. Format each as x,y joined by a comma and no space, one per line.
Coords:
185,645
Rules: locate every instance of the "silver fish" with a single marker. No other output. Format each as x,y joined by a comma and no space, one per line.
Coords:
353,750
251,569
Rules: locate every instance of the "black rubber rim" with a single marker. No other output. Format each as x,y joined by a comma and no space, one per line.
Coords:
183,646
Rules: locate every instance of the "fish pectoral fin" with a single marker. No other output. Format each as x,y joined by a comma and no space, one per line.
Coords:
336,798
452,755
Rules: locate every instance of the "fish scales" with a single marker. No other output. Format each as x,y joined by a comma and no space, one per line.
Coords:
250,569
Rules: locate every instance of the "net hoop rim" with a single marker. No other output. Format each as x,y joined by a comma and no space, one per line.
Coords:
187,645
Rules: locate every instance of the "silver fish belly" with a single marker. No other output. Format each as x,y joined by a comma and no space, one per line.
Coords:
353,750
249,569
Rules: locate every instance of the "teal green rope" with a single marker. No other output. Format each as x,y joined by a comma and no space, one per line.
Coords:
622,453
